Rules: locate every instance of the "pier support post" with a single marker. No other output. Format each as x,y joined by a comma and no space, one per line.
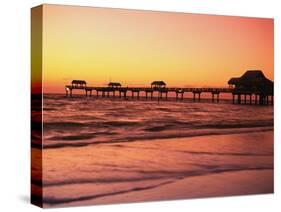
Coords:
233,98
250,99
179,94
261,99
194,96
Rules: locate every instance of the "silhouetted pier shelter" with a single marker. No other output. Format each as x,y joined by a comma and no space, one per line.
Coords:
112,87
156,85
253,86
76,84
160,87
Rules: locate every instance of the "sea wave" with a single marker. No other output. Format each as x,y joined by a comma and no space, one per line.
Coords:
85,140
72,122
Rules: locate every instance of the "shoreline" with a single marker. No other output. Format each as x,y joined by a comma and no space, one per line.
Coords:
183,168
251,182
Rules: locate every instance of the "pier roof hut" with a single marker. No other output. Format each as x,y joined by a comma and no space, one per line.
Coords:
114,85
79,84
252,81
158,85
233,81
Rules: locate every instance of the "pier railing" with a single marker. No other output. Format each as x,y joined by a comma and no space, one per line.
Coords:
250,96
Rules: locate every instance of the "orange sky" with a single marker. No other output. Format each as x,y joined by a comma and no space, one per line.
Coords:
136,47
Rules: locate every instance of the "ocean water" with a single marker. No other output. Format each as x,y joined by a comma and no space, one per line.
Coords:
83,121
110,150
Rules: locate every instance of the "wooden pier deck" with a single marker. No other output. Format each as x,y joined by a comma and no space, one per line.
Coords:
251,88
238,97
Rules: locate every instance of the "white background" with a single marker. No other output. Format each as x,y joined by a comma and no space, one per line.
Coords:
15,106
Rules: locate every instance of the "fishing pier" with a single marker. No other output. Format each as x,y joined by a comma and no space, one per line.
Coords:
251,88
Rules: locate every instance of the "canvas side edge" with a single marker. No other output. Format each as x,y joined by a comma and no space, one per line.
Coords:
36,106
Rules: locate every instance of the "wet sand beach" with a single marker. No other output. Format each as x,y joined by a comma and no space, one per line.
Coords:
197,167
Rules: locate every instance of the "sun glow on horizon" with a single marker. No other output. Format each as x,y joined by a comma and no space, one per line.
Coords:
136,47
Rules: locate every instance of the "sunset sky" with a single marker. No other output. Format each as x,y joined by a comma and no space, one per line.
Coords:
137,47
